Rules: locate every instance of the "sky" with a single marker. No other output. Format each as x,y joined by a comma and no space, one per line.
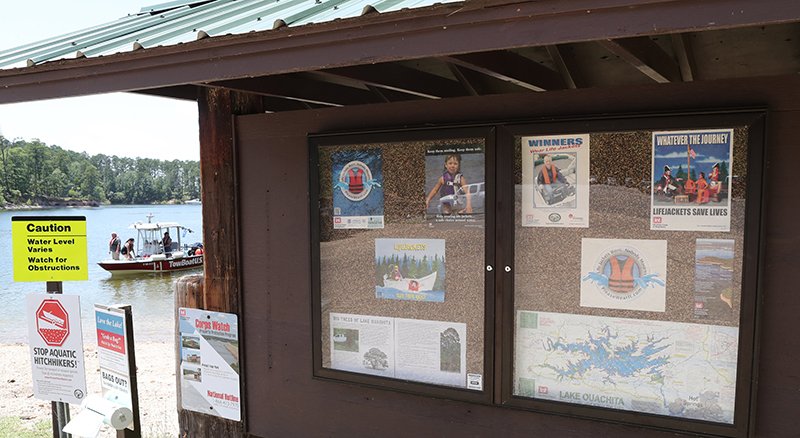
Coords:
121,124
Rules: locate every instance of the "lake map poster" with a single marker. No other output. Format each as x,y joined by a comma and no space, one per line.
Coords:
691,180
656,367
357,189
555,181
410,269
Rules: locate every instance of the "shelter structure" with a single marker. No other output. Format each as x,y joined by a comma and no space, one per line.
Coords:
633,304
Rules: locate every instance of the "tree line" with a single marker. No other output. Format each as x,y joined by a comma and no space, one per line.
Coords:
32,171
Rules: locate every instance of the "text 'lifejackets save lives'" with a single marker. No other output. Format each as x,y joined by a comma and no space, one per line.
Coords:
49,248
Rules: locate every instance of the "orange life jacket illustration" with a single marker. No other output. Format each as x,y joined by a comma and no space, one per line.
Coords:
621,278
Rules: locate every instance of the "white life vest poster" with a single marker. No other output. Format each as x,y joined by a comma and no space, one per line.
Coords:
410,269
56,345
555,181
357,189
691,180
624,274
455,185
210,362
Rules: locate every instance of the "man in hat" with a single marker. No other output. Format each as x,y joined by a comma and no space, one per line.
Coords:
665,184
114,246
714,183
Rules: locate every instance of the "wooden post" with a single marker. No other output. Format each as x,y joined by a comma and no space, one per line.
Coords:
219,289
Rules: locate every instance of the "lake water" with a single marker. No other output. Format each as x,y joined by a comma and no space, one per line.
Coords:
150,296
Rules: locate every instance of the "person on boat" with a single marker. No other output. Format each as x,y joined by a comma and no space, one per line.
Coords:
550,178
114,245
450,181
395,273
167,242
127,250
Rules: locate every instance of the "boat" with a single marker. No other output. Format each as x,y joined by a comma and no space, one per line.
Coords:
151,256
412,284
194,201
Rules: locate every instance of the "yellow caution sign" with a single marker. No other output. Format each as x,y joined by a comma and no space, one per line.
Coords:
49,248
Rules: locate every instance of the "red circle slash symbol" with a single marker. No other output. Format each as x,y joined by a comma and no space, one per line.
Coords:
52,323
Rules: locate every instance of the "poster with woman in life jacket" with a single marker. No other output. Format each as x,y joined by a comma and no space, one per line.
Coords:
357,189
455,185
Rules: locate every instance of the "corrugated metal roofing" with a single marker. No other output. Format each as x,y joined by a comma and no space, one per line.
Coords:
182,21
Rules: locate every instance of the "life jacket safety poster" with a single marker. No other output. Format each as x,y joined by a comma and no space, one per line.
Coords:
455,185
624,274
691,180
555,181
410,269
357,189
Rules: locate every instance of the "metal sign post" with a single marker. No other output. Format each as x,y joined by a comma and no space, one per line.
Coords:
59,410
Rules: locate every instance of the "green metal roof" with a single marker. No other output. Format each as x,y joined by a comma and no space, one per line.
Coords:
183,21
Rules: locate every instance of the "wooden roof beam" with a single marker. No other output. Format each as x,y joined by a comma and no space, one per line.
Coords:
683,51
644,54
461,75
400,78
510,67
301,89
566,64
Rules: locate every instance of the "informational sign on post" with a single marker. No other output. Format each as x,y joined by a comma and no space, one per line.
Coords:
112,354
210,362
49,248
56,346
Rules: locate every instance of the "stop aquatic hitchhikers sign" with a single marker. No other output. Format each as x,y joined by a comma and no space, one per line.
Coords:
49,248
52,323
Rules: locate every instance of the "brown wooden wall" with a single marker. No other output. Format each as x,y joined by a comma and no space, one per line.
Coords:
282,397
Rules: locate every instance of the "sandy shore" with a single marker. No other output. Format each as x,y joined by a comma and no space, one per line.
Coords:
156,376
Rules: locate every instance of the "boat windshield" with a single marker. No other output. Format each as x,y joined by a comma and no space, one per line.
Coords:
151,240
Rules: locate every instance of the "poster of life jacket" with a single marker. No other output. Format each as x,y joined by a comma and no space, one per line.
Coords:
455,185
691,180
624,274
410,269
357,189
555,181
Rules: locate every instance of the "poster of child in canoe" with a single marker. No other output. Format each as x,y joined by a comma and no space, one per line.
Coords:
410,269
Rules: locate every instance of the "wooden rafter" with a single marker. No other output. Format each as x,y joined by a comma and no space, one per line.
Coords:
463,79
683,51
644,54
400,78
510,67
301,89
565,65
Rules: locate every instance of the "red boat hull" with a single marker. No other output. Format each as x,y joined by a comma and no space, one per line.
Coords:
144,266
